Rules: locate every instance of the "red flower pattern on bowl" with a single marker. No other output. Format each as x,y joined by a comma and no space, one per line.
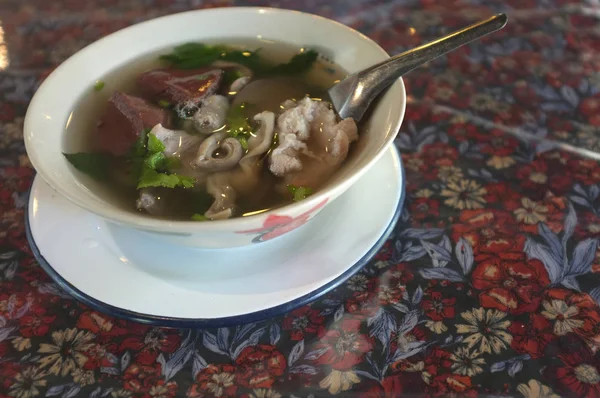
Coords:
275,225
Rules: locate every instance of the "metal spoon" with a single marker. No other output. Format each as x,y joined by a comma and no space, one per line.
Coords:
352,96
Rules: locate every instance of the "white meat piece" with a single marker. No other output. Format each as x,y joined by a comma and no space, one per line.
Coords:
153,201
316,169
175,141
288,104
312,143
212,114
218,187
229,146
184,146
146,201
244,180
239,84
297,120
260,142
285,158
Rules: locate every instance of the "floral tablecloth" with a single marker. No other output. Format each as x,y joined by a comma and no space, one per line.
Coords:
489,285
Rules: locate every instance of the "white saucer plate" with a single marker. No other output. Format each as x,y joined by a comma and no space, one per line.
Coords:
130,275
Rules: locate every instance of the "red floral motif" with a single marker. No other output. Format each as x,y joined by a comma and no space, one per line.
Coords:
502,192
303,322
438,306
140,378
424,208
523,92
7,112
488,231
344,345
437,361
9,372
275,226
510,282
394,386
532,337
392,284
151,344
571,312
259,366
579,371
537,75
538,178
214,381
462,131
590,107
365,306
439,154
386,252
99,357
528,213
94,322
584,171
36,322
450,384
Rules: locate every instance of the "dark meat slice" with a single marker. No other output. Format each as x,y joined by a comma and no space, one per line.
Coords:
125,118
180,86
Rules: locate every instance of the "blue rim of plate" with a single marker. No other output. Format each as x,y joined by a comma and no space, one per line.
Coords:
173,322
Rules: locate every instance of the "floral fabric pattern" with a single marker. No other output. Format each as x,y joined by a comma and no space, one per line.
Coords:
489,285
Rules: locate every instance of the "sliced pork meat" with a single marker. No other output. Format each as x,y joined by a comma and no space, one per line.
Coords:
312,143
125,118
182,88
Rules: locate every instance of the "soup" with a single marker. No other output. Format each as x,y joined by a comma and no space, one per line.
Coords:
212,131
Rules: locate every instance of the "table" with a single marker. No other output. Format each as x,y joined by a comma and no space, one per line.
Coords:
489,285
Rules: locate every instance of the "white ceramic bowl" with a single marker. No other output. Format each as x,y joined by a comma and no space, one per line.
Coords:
51,107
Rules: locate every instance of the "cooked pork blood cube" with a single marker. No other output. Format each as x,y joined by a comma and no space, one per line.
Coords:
179,86
125,118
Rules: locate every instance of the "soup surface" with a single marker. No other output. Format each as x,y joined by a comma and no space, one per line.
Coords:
209,131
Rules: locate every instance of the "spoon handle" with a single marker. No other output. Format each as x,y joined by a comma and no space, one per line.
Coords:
370,82
403,63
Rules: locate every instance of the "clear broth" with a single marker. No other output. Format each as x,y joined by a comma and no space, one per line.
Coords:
82,122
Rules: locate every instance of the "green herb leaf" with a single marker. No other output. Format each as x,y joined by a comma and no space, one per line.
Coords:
138,150
92,164
137,153
196,55
230,76
199,217
244,142
299,193
164,104
300,63
152,178
172,163
99,85
237,122
154,144
149,163
155,161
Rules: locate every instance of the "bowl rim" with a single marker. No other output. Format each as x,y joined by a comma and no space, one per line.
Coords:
123,217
